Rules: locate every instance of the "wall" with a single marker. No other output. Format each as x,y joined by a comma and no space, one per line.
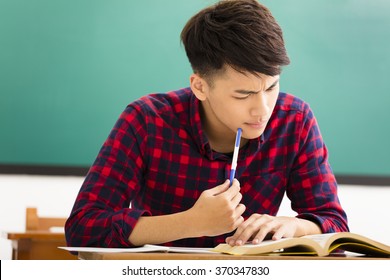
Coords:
53,196
68,68
340,58
367,208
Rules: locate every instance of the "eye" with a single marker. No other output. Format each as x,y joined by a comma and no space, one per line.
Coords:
245,96
270,89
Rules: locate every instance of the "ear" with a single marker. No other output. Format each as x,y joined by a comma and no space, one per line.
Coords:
199,87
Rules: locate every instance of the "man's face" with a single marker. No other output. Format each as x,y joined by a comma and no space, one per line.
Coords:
239,100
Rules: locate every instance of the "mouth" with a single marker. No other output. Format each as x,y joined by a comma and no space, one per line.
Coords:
257,125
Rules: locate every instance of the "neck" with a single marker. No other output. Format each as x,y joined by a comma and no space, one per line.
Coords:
221,138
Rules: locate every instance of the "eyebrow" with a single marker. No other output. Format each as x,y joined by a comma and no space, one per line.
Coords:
243,91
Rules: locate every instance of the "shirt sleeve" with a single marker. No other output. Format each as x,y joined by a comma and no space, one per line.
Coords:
101,216
312,184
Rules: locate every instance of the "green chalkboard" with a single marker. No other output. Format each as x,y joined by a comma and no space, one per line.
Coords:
69,68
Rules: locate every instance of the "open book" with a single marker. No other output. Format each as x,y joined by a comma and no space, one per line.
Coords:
318,244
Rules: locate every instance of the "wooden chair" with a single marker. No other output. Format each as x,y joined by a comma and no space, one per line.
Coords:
39,241
35,222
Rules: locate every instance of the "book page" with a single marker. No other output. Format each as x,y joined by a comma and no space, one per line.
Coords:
285,245
181,249
321,239
109,250
143,249
265,243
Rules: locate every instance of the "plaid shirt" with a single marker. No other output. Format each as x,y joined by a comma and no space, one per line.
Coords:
157,158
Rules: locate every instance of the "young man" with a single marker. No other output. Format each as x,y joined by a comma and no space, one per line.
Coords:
161,176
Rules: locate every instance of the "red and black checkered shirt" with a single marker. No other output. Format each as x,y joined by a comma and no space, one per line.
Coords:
158,160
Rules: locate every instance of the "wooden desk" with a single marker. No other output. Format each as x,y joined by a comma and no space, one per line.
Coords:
38,245
196,256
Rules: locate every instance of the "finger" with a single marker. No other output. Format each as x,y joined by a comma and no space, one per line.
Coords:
219,189
256,229
238,238
236,183
238,222
250,231
236,199
240,209
238,219
233,190
267,228
279,233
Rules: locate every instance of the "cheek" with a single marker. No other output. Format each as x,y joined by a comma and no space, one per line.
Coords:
237,115
272,100
231,113
272,103
222,106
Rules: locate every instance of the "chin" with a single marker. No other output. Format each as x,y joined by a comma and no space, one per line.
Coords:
252,135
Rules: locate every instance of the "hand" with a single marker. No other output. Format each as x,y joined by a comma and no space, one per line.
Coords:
258,226
218,210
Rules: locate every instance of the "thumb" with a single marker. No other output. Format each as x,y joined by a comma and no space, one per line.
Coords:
220,188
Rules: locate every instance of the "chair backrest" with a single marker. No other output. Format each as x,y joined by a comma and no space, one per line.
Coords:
35,222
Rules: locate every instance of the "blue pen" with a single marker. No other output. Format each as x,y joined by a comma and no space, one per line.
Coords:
235,155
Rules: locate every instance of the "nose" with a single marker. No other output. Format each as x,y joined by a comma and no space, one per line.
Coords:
260,107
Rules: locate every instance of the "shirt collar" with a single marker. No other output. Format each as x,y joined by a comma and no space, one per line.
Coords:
198,133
